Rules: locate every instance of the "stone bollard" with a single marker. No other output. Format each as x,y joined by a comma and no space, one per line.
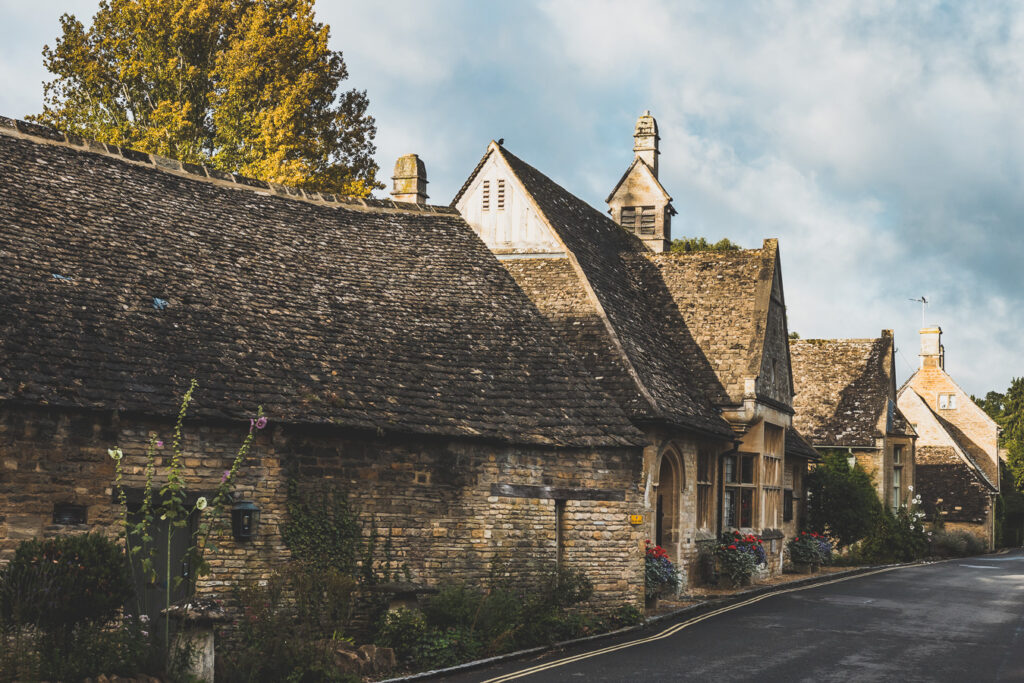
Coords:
196,619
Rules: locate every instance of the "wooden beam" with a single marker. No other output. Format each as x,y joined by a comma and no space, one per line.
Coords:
555,493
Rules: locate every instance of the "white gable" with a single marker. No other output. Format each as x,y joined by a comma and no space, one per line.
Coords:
499,211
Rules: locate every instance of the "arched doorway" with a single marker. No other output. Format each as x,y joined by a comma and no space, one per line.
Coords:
668,503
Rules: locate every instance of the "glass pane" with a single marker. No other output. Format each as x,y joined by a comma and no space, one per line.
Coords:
746,507
747,475
729,505
730,469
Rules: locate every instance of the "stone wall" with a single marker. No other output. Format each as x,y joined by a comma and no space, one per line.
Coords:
432,501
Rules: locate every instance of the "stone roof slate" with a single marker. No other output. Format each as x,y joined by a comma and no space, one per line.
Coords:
122,277
798,446
615,266
844,391
722,300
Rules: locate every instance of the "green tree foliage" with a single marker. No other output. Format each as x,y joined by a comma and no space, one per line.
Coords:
687,245
841,500
1007,409
246,86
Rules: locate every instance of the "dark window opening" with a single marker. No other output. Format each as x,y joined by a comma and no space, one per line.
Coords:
787,506
67,513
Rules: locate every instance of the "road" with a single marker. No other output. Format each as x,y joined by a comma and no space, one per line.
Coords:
957,620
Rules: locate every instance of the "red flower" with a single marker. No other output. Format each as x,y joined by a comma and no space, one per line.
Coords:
732,547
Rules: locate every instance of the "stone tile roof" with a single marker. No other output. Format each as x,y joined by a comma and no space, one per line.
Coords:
948,490
722,300
613,264
123,276
797,446
844,391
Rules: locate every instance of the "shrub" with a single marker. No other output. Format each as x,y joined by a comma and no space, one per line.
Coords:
405,631
841,500
956,544
289,627
463,622
895,537
660,575
58,583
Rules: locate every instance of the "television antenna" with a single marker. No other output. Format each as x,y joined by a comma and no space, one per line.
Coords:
924,304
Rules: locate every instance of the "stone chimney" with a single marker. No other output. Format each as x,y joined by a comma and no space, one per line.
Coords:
410,180
645,140
932,353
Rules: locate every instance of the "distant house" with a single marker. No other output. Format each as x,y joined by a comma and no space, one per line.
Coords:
395,358
846,400
692,347
957,448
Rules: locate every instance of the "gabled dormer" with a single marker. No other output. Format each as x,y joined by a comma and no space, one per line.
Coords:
639,203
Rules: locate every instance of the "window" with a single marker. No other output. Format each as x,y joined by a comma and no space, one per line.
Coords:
485,201
501,195
787,505
897,476
705,490
628,218
646,220
897,455
68,513
739,489
947,401
774,447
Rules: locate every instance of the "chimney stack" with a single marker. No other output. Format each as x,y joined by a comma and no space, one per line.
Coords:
645,140
932,354
410,180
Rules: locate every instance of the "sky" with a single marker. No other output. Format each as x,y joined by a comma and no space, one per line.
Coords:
881,142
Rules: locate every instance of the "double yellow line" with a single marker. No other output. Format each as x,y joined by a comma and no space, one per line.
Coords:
672,630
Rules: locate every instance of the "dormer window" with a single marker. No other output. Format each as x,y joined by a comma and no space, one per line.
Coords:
947,401
485,196
501,195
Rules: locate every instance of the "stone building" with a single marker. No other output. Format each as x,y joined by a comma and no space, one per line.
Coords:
664,334
957,446
846,400
395,358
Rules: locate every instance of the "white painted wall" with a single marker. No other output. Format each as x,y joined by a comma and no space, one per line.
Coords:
515,228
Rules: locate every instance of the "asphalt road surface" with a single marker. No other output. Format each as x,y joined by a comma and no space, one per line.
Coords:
958,620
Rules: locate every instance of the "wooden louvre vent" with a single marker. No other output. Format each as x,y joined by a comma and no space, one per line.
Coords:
647,220
629,218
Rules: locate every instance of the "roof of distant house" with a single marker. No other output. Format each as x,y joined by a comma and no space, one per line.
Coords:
123,275
845,391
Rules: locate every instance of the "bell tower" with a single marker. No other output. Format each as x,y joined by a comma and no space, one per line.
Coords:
639,203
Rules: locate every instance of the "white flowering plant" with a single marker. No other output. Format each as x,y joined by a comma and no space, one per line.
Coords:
171,503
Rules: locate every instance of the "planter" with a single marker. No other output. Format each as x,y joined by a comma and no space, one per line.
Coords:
726,581
806,567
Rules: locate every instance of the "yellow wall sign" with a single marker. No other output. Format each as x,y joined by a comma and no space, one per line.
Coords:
636,519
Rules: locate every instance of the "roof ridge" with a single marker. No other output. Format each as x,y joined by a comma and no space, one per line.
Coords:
51,136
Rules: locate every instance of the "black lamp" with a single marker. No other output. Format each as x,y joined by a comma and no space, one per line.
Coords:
245,519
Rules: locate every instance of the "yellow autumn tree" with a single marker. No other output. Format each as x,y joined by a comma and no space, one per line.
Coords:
245,86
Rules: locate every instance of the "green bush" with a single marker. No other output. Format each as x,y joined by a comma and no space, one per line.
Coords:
956,544
463,622
289,627
58,583
841,500
898,537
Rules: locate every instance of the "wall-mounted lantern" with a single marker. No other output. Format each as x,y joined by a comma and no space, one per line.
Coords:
245,519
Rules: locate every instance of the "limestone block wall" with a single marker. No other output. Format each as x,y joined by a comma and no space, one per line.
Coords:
433,502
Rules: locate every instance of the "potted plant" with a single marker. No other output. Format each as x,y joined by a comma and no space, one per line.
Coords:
737,555
808,551
660,575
